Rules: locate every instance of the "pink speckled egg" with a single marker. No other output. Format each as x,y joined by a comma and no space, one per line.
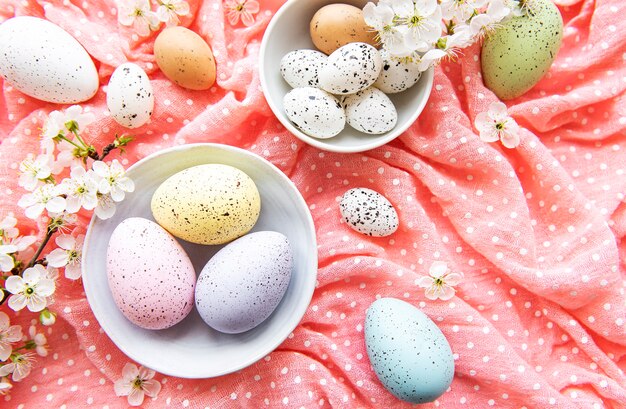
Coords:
243,283
150,275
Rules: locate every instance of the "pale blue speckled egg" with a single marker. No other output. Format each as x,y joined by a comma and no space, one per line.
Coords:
408,352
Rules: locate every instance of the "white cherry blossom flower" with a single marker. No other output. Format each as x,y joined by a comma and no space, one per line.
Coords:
460,10
45,197
31,290
33,171
496,124
243,9
53,127
7,262
8,335
137,13
68,255
440,281
106,206
20,366
485,24
423,20
169,10
113,180
39,340
137,382
5,386
81,189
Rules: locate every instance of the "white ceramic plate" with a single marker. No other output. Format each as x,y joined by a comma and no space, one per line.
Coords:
191,349
288,31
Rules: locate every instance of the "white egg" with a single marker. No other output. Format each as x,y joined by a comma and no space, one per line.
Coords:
350,69
397,75
368,212
314,112
300,68
43,61
370,111
130,97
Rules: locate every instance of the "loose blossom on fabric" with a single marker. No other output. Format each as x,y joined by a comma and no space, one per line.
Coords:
136,383
496,125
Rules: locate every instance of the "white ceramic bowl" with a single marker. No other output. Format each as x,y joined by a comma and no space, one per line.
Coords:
191,349
288,31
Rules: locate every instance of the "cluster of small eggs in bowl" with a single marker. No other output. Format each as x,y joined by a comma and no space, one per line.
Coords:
334,89
213,258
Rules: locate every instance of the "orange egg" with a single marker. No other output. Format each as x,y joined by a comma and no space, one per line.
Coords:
185,58
336,25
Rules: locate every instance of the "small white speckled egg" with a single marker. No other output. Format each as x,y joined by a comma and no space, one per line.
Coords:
408,352
300,68
350,69
150,276
42,60
130,98
207,204
370,111
315,112
244,282
368,212
397,75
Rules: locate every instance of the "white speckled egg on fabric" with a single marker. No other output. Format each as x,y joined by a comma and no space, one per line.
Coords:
300,68
130,98
43,61
397,74
243,283
315,112
207,204
368,212
408,352
370,111
150,276
350,69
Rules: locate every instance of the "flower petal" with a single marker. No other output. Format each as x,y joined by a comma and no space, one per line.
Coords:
36,303
425,282
5,351
73,271
452,278
135,398
447,292
130,371
438,269
57,258
4,321
151,387
432,293
122,387
45,287
31,275
14,284
17,302
246,18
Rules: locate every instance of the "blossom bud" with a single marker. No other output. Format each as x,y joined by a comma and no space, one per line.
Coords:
47,317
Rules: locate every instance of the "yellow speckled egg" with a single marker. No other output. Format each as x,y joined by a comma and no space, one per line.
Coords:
336,25
207,204
185,58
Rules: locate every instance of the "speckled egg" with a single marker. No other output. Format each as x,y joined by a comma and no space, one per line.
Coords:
244,282
520,52
130,98
43,61
350,69
397,74
300,68
368,212
150,276
370,111
207,204
185,58
314,112
335,25
408,352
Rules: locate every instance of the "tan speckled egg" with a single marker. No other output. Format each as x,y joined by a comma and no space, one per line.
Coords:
336,25
185,58
207,204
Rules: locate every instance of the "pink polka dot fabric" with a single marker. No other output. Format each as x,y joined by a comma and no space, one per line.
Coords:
538,232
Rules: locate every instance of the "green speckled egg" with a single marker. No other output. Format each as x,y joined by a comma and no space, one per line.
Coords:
207,204
522,50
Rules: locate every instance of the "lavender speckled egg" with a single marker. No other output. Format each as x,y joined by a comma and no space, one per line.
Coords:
408,352
130,98
368,212
43,61
314,112
350,69
300,68
207,204
244,282
150,276
370,111
397,75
